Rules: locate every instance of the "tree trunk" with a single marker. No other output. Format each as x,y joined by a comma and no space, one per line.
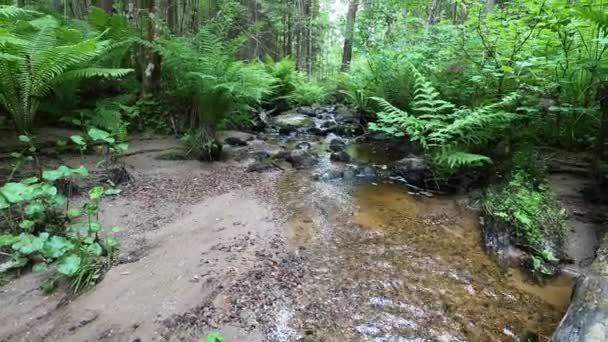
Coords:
351,16
151,59
490,5
106,5
434,11
172,15
587,317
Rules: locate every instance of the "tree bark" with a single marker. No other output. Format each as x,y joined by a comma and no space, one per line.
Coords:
434,12
351,16
151,59
172,15
106,5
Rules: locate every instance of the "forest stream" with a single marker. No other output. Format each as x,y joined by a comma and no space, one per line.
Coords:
290,255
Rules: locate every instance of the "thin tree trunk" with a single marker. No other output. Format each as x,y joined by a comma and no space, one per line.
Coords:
351,16
106,5
151,60
172,15
434,11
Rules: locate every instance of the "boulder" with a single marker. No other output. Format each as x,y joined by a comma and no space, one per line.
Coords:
337,145
415,170
345,115
587,317
301,159
496,241
234,138
310,111
304,145
341,157
292,121
260,166
328,127
366,172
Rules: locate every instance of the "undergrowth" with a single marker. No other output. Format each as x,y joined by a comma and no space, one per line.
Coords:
525,205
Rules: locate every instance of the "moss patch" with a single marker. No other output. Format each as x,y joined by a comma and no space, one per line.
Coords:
538,226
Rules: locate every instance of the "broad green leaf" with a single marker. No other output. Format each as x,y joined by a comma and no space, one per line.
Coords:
3,202
214,336
7,240
29,243
34,209
96,193
111,243
98,134
94,249
74,212
115,229
78,140
40,267
26,224
14,192
30,180
24,139
94,227
53,175
121,147
69,265
112,192
56,247
81,171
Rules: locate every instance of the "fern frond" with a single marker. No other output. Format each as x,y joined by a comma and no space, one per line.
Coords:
94,73
454,159
16,12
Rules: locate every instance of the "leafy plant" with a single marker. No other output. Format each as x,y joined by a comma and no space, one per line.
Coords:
202,145
42,230
307,93
527,207
449,133
36,56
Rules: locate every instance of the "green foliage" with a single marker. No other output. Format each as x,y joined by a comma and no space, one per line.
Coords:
38,55
201,73
307,93
202,145
386,74
214,337
439,127
526,205
48,233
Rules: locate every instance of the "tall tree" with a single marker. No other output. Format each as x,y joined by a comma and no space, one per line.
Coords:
106,5
151,59
351,16
434,12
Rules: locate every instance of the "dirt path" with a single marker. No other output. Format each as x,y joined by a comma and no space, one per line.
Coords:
179,224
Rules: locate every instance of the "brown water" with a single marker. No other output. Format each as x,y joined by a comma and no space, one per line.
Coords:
385,264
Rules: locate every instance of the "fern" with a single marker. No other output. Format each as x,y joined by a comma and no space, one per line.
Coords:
35,61
206,76
447,132
12,12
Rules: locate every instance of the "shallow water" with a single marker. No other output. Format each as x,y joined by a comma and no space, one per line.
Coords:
386,265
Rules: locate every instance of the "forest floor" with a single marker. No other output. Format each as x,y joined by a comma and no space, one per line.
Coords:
280,256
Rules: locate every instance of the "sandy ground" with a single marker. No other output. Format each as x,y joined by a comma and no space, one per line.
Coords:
162,272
